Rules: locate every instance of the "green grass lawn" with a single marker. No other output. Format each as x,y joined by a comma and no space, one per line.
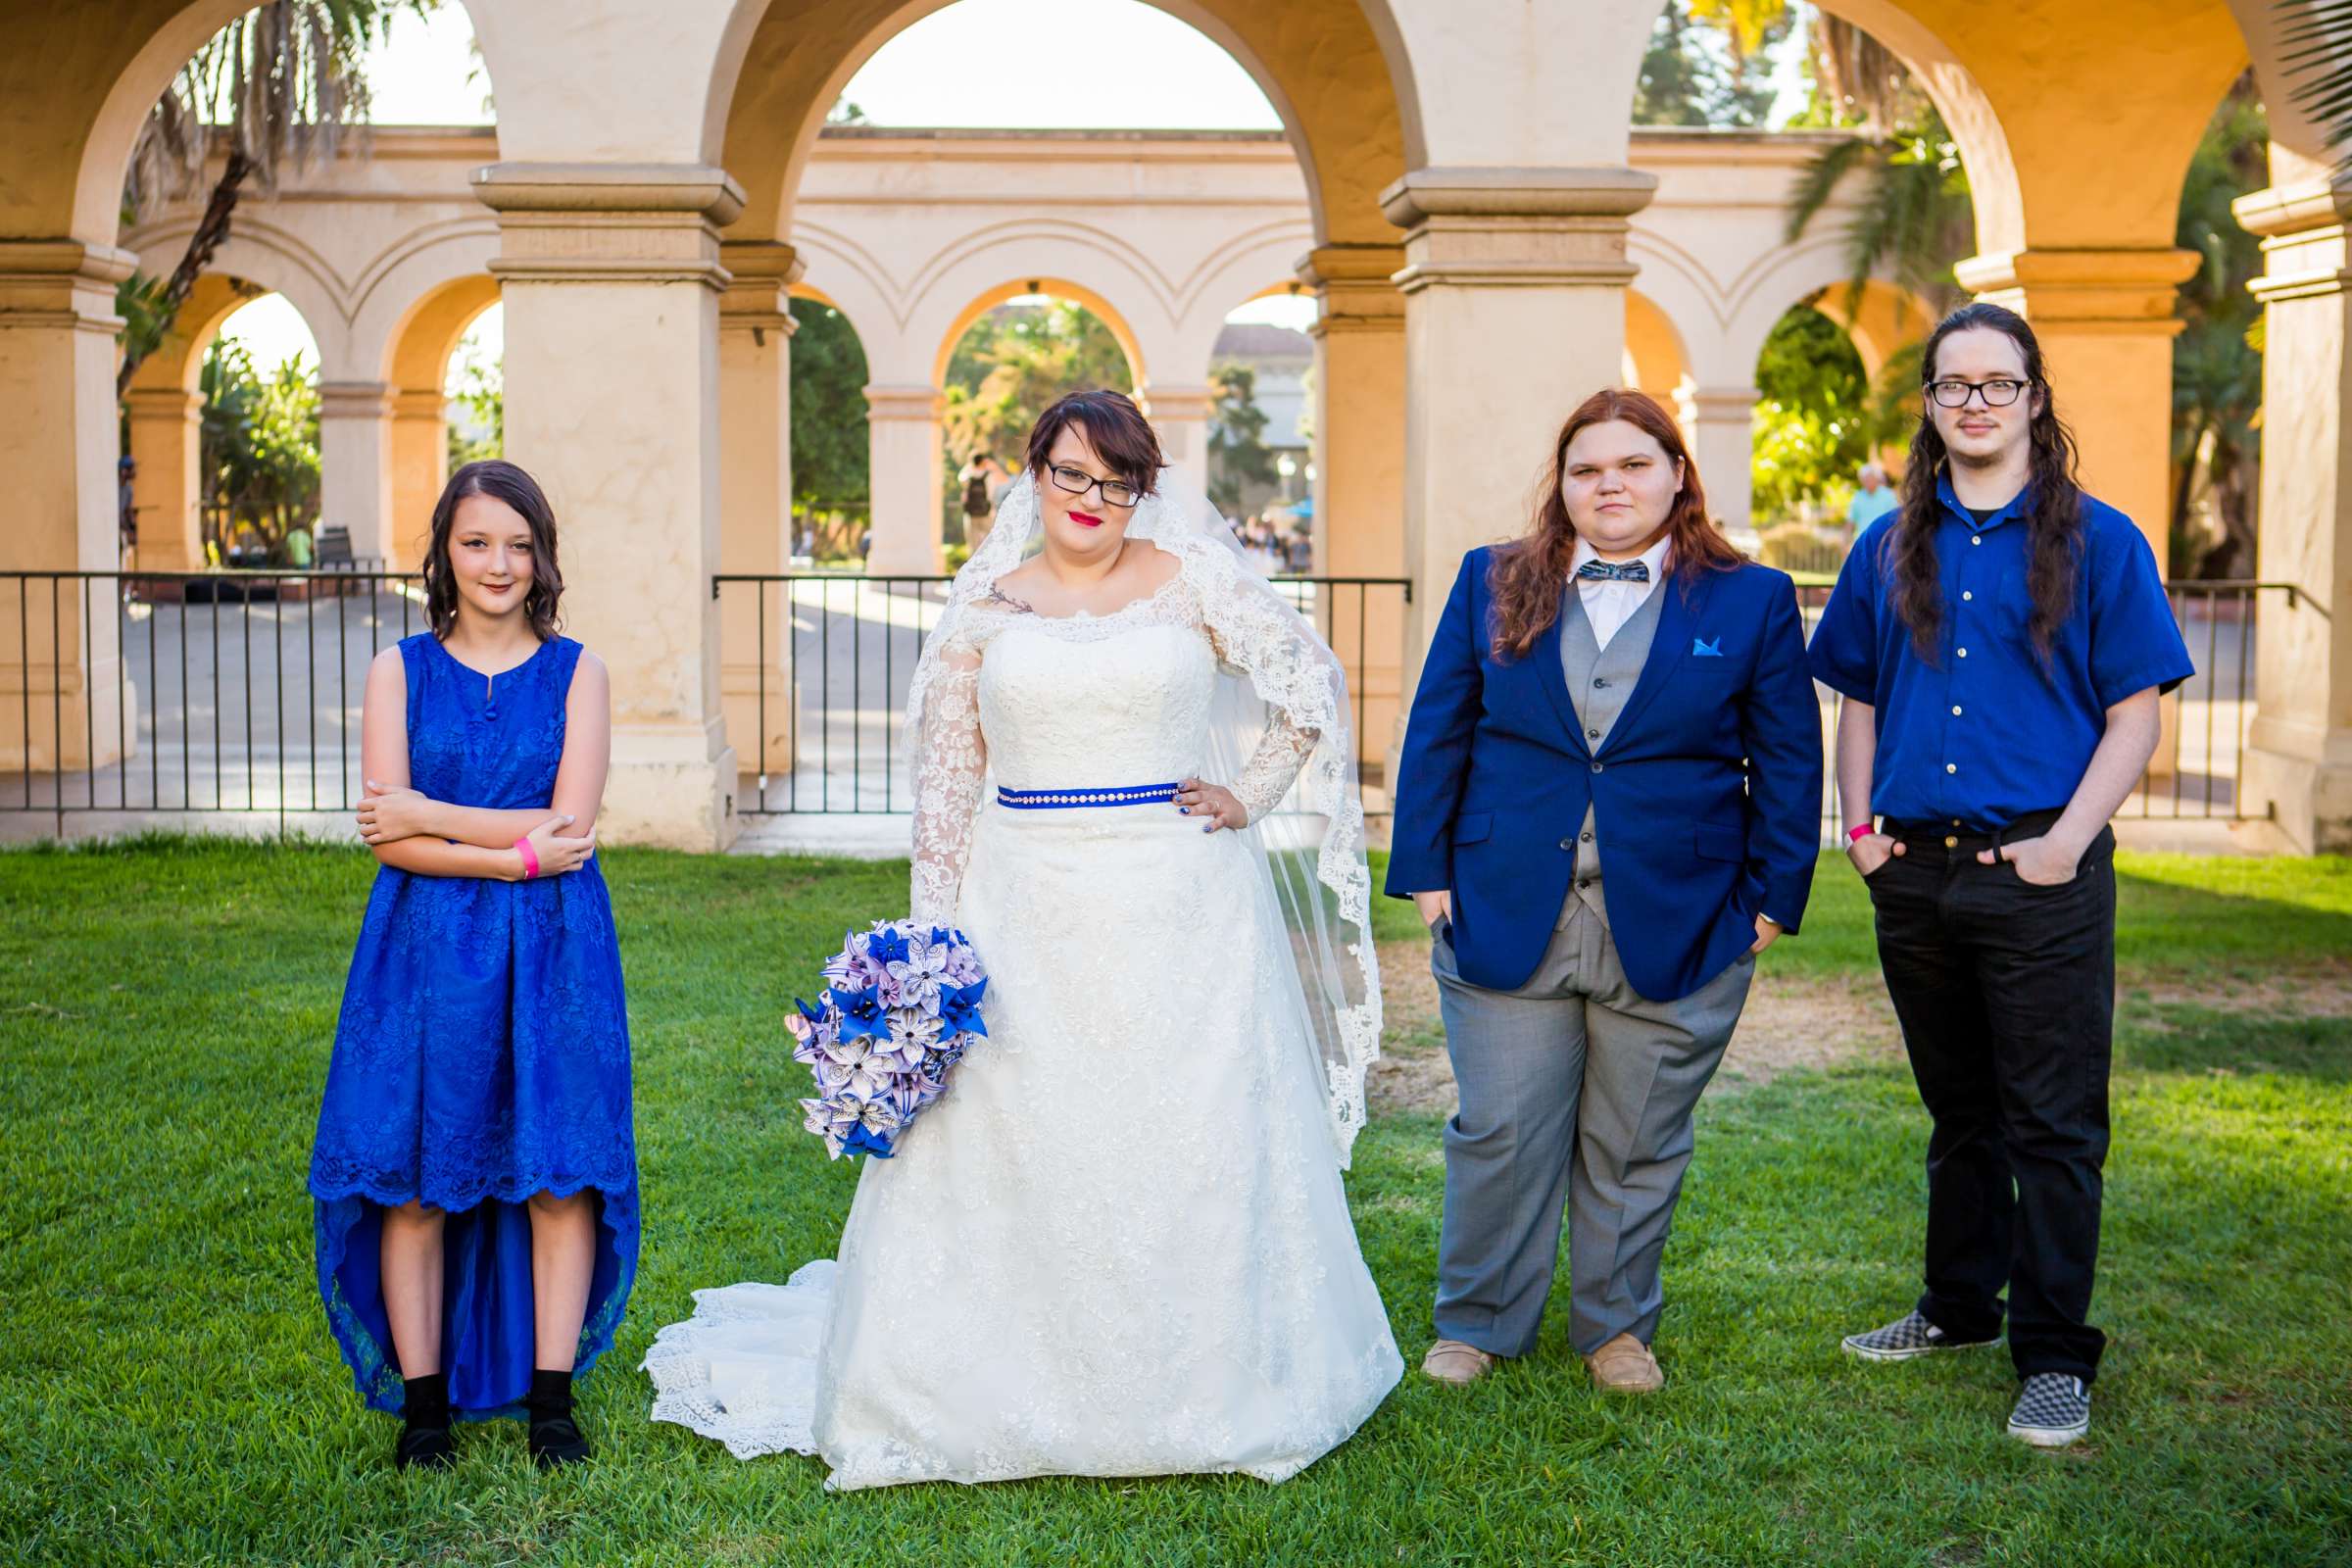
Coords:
169,1391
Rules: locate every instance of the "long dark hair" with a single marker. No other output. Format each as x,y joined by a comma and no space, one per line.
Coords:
1112,425
1528,573
500,481
2054,524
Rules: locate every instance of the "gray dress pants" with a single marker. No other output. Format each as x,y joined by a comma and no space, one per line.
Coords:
1573,1090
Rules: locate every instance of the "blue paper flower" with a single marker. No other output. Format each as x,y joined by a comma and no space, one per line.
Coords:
900,1007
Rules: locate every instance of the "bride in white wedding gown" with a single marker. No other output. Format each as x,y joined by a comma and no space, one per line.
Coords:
1119,1244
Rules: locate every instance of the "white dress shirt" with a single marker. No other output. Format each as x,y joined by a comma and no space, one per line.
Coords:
1608,606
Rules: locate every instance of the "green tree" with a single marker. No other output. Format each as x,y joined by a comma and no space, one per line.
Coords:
2317,35
276,88
1815,425
2217,373
1011,365
479,388
1701,66
830,455
259,448
1238,454
1914,217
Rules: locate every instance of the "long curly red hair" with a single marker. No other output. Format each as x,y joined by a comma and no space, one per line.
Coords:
1528,574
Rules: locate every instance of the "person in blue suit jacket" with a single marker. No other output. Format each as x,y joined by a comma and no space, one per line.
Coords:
1609,803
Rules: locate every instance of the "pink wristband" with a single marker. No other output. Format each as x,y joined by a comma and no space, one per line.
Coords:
530,859
1855,835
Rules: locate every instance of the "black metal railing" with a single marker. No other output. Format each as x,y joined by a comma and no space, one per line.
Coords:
2199,767
816,665
153,695
161,693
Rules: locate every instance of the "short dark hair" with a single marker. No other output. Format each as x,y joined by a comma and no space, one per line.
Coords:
1112,425
500,481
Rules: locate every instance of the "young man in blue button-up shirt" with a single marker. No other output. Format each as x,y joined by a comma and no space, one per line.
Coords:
2001,640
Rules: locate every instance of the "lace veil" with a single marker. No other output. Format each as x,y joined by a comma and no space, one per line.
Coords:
1280,687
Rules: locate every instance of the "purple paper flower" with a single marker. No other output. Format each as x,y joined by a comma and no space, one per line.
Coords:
900,1007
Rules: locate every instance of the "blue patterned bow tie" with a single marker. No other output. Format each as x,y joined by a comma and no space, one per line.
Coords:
1614,571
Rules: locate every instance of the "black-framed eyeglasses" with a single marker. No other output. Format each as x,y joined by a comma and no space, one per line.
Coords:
1998,393
1077,482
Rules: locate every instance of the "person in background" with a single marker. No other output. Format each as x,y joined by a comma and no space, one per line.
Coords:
127,511
1872,501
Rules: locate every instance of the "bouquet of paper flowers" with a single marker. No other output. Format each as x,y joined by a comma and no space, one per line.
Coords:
902,1002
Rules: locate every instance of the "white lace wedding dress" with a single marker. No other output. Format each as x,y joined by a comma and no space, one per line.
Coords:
1119,1244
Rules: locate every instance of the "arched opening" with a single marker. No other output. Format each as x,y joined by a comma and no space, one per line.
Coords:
1041,214
1017,353
1819,424
220,434
258,450
1655,360
831,449
1261,471
445,363
387,270
802,64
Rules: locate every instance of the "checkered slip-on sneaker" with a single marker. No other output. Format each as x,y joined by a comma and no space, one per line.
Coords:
1906,1337
2053,1410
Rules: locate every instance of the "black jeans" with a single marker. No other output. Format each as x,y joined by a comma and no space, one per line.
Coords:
2006,993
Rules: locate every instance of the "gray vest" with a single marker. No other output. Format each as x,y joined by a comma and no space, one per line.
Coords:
1599,680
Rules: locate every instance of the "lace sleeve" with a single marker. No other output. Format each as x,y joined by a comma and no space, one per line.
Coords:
1279,752
951,757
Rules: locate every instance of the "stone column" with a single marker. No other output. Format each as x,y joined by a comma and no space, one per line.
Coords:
610,277
1514,289
754,450
2106,324
1723,424
1358,457
420,468
65,701
2298,768
1182,416
355,465
903,437
167,427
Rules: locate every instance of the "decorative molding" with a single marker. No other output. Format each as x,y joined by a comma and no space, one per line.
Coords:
1356,285
2121,292
1508,228
2306,235
920,404
61,284
2281,211
355,400
699,188
1516,192
610,222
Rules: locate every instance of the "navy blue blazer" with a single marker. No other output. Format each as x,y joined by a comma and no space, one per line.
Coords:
1706,794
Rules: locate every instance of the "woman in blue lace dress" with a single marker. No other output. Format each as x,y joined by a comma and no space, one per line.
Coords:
476,1173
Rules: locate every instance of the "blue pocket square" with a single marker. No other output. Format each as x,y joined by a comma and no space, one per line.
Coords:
1702,648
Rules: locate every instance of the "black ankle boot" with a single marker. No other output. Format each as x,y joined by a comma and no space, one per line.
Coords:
425,1438
554,1436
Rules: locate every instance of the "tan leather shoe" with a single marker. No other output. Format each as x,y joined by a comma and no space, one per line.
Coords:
1625,1365
1452,1361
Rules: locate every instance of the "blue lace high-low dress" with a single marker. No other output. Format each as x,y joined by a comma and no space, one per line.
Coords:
482,1056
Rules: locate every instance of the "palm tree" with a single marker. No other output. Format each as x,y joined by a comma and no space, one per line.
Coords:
277,87
2318,37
